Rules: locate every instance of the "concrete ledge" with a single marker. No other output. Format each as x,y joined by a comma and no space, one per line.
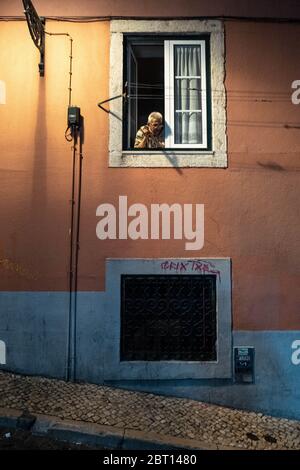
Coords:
78,432
99,435
110,437
135,440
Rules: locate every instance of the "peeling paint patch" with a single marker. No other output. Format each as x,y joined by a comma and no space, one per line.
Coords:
2,352
2,92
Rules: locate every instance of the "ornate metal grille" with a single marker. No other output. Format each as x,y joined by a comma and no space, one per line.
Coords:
168,318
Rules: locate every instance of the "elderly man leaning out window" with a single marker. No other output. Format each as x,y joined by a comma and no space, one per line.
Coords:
151,135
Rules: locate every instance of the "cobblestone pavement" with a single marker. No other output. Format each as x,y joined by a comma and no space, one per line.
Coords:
166,416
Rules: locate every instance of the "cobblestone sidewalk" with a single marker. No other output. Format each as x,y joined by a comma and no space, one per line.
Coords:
165,416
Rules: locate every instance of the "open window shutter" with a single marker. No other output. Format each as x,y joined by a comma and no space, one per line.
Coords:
132,97
169,101
185,94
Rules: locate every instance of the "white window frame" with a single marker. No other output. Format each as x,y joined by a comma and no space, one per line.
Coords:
174,157
170,92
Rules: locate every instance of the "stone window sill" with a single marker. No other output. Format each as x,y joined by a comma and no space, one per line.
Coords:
168,159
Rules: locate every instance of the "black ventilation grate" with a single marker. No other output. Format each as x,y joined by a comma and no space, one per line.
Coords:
168,318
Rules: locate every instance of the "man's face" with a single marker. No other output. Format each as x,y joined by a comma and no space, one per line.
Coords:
155,126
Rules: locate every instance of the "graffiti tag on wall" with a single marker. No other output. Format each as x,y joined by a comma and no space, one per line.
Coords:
196,266
10,265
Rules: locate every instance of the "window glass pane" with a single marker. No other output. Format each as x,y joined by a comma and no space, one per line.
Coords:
187,60
145,77
132,96
188,127
188,96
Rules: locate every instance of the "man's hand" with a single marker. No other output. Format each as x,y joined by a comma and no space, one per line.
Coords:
146,131
144,140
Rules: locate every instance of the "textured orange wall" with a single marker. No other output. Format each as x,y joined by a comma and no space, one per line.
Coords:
251,208
36,160
264,146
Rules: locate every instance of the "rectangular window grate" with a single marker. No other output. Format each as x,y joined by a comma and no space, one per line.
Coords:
168,318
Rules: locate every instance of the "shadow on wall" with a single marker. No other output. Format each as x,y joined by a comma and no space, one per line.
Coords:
271,166
39,190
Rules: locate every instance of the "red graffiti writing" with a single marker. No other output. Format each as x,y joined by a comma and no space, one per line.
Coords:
195,265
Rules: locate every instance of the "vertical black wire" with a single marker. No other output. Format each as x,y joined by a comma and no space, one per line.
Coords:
71,61
70,71
72,312
71,272
77,246
71,328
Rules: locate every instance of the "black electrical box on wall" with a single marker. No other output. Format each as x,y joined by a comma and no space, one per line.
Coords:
244,364
73,116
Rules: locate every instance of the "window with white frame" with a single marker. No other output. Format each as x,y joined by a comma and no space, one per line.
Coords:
168,76
176,68
185,94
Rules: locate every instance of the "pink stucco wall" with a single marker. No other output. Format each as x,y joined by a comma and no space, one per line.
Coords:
251,208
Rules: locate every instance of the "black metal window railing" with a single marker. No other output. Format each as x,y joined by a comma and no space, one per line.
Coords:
168,317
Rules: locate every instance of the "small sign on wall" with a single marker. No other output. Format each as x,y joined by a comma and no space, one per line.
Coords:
244,364
2,352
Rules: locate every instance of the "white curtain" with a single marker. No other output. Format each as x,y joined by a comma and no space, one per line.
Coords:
188,116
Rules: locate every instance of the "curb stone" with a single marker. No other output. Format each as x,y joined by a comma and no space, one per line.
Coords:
26,421
98,435
9,418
